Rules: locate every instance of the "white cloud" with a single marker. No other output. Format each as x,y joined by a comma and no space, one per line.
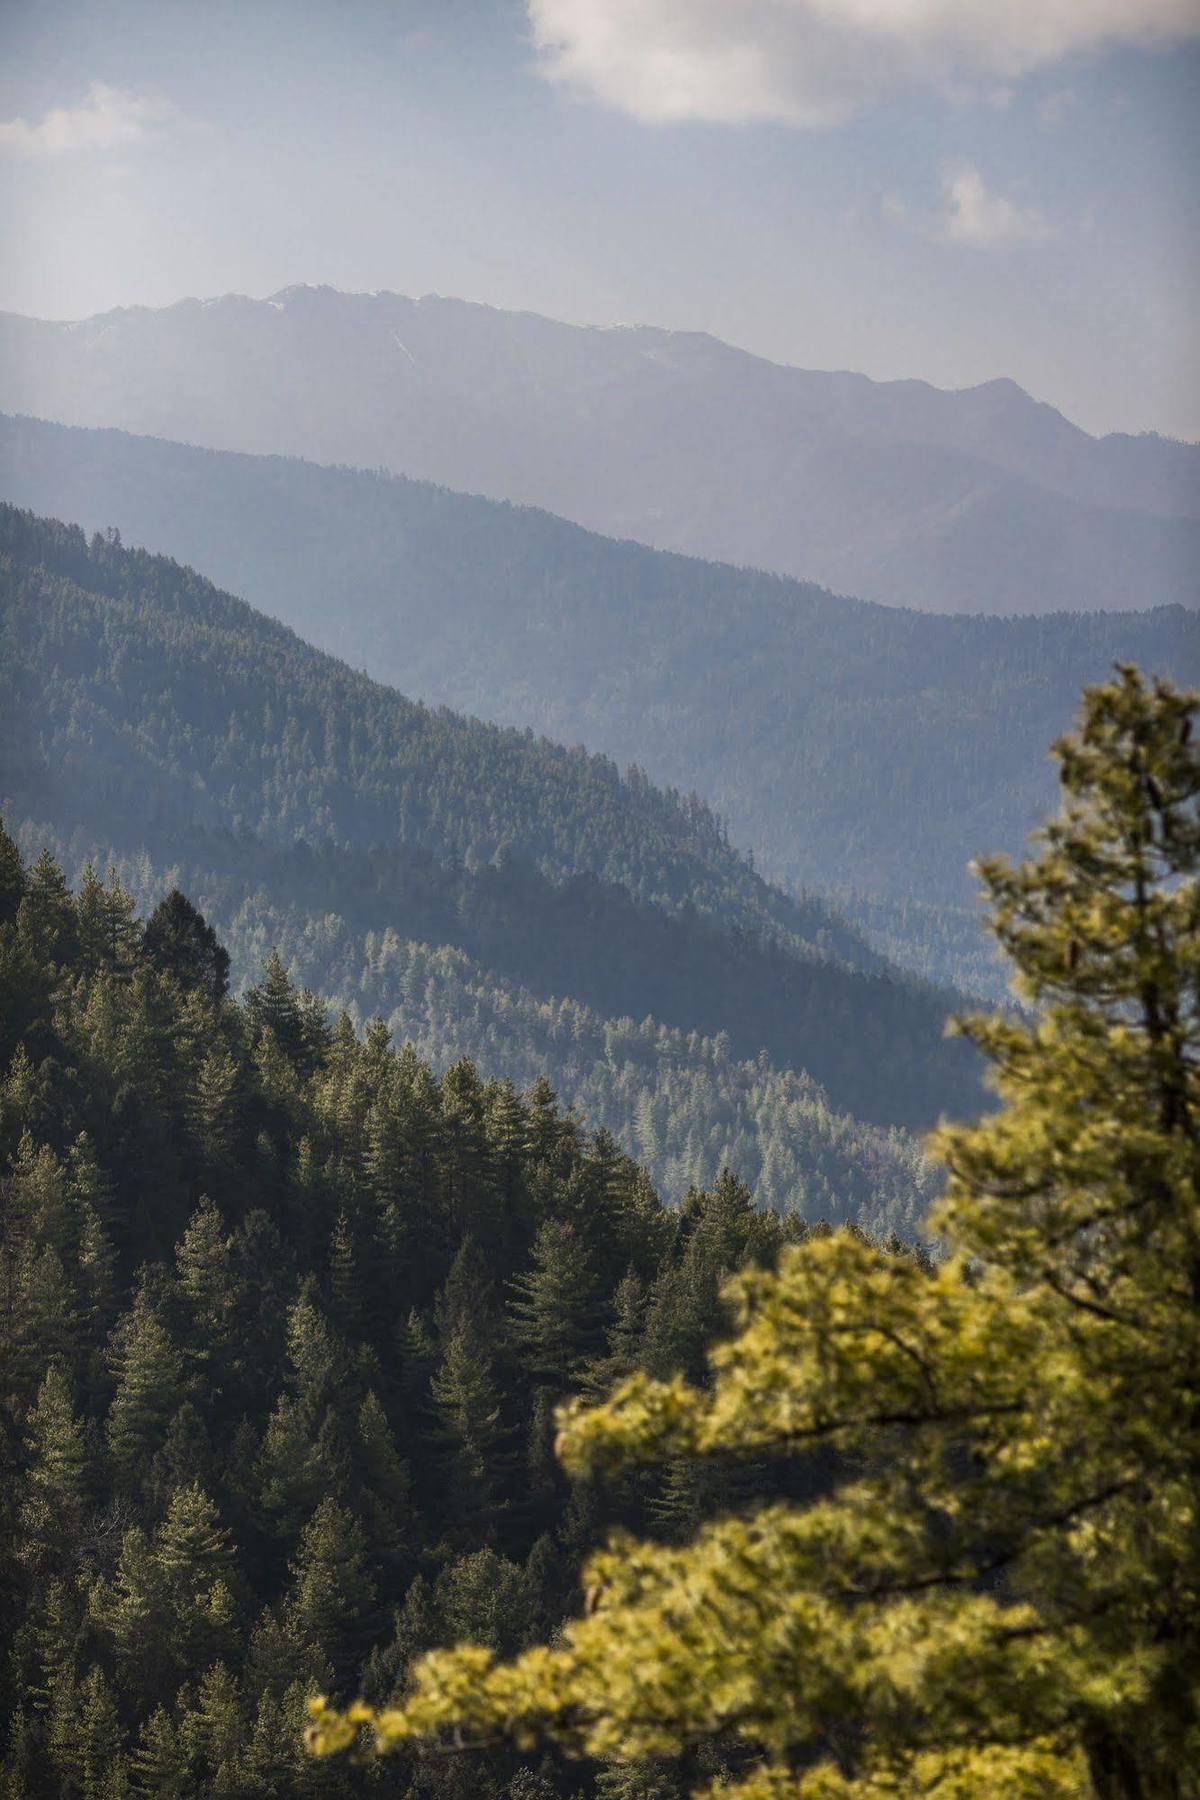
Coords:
972,215
814,62
105,118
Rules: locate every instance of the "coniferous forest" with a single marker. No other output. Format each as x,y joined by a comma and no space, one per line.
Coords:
599,900
285,1321
605,931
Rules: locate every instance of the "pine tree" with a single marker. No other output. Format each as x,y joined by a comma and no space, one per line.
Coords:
159,1765
96,1755
58,1632
467,1401
56,1479
131,1611
345,1285
211,1732
12,878
295,1467
316,1034
93,1201
555,1310
273,1006
203,1265
624,1338
46,921
149,1377
487,1599
214,1105
193,1556
332,1601
1008,1601
385,1502
184,1458
181,943
106,921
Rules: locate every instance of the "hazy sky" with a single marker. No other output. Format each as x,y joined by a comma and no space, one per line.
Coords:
952,189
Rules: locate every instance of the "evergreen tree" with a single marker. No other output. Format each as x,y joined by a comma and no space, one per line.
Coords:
486,1599
96,1757
149,1376
555,1311
211,1733
159,1765
1007,1602
185,1457
203,1264
106,923
467,1401
331,1605
56,1480
193,1557
181,943
213,1106
385,1489
273,1006
46,921
12,878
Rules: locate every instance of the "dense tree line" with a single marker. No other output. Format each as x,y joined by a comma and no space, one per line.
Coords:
145,710
283,1320
684,1104
287,741
851,745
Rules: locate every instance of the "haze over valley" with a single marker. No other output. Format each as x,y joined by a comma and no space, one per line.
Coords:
978,501
599,900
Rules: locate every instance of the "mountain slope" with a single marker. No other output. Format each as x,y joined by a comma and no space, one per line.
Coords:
892,490
144,708
849,745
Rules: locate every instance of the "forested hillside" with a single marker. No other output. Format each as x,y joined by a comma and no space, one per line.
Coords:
284,1319
366,765
683,1103
850,746
117,703
974,501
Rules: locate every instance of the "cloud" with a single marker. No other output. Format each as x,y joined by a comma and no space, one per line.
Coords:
815,62
972,215
105,118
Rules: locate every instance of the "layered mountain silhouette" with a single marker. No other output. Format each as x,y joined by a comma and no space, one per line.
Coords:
849,745
486,893
975,501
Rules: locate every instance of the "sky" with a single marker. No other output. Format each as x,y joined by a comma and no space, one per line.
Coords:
945,189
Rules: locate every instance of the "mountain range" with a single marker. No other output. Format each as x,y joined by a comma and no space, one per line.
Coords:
982,500
850,746
482,890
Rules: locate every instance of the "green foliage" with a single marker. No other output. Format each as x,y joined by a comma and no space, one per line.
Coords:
282,1315
996,1589
262,772
853,746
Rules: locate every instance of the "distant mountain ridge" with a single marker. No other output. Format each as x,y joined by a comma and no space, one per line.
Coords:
849,745
978,501
145,713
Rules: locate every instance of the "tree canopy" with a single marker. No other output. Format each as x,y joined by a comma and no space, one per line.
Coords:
997,1588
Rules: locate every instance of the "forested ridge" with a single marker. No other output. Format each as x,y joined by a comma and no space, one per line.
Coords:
146,711
682,1102
362,757
284,1318
851,745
